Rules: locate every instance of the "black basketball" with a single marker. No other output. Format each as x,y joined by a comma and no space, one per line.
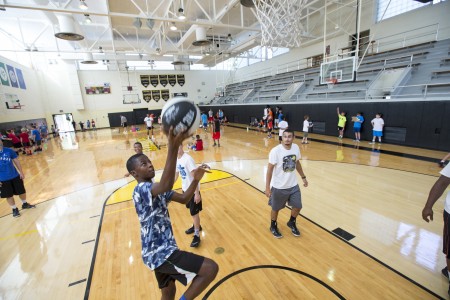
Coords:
182,114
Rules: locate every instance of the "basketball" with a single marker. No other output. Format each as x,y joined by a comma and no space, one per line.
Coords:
182,114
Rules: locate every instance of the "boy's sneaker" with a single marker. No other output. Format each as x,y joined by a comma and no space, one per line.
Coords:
191,230
293,228
195,241
27,205
444,272
16,213
276,233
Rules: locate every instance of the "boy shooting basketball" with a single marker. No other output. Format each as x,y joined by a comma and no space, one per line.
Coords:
159,249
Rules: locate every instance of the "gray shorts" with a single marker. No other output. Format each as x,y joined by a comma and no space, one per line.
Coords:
280,197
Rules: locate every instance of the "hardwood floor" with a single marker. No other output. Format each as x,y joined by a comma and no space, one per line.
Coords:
374,194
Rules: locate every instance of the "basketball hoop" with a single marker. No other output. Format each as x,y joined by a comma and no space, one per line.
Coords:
280,24
331,82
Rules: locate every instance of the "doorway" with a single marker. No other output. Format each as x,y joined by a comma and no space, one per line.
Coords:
63,122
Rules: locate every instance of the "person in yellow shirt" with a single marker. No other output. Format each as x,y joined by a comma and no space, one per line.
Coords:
341,122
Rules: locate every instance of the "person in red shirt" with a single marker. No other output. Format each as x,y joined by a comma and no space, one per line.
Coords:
14,139
24,138
198,143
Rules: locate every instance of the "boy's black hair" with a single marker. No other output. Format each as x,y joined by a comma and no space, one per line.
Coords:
289,130
131,162
138,143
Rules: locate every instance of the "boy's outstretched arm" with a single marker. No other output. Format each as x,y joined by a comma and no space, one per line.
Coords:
168,175
187,195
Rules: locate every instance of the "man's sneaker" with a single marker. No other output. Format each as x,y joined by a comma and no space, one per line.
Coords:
444,272
191,230
293,228
27,205
276,233
195,241
16,213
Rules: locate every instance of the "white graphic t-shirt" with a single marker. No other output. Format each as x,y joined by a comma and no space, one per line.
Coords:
185,165
284,173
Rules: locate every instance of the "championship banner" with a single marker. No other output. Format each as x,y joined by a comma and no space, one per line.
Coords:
154,80
156,95
180,79
163,80
180,95
165,94
4,75
147,95
12,76
172,79
145,80
21,80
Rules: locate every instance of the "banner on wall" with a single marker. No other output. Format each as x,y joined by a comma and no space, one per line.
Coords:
163,80
154,80
165,95
179,95
4,74
145,80
172,79
180,79
12,76
98,90
156,95
21,79
147,95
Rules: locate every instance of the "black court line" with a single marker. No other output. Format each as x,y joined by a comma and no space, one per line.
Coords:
215,286
94,216
388,152
77,282
90,241
357,248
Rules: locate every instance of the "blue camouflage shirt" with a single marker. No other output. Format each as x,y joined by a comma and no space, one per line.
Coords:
157,239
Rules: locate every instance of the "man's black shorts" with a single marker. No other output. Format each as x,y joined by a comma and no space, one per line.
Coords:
12,187
181,265
194,208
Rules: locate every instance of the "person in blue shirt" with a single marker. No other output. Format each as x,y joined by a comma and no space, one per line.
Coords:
11,180
357,122
44,131
159,249
37,139
204,121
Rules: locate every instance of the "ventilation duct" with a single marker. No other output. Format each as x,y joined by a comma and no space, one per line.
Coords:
89,59
200,34
67,29
247,3
177,61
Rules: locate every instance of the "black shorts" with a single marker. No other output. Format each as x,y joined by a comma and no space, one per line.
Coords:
26,144
124,124
446,238
12,187
149,128
181,265
17,145
39,142
194,208
340,128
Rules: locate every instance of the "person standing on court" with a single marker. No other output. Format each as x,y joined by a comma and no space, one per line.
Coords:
306,126
216,131
149,123
341,122
436,192
281,182
357,122
185,168
11,180
123,123
378,124
159,248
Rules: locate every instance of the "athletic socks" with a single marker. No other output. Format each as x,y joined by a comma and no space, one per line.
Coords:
197,232
14,206
23,201
292,219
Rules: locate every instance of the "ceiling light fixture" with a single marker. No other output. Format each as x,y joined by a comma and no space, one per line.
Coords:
83,5
100,49
173,27
229,37
137,23
181,15
87,19
150,23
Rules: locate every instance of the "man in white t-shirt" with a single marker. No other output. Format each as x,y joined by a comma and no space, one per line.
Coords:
185,168
306,126
282,126
282,184
123,123
149,123
378,124
427,213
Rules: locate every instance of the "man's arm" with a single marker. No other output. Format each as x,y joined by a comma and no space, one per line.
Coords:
299,169
19,167
168,175
435,193
269,173
338,111
187,195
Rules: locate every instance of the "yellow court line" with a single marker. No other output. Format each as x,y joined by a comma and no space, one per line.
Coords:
18,235
124,193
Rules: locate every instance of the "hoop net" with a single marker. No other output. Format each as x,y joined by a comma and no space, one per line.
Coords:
331,82
280,24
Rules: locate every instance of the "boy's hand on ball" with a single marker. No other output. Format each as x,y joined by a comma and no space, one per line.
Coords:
199,172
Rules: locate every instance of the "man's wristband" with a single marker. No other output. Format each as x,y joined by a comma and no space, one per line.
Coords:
303,177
